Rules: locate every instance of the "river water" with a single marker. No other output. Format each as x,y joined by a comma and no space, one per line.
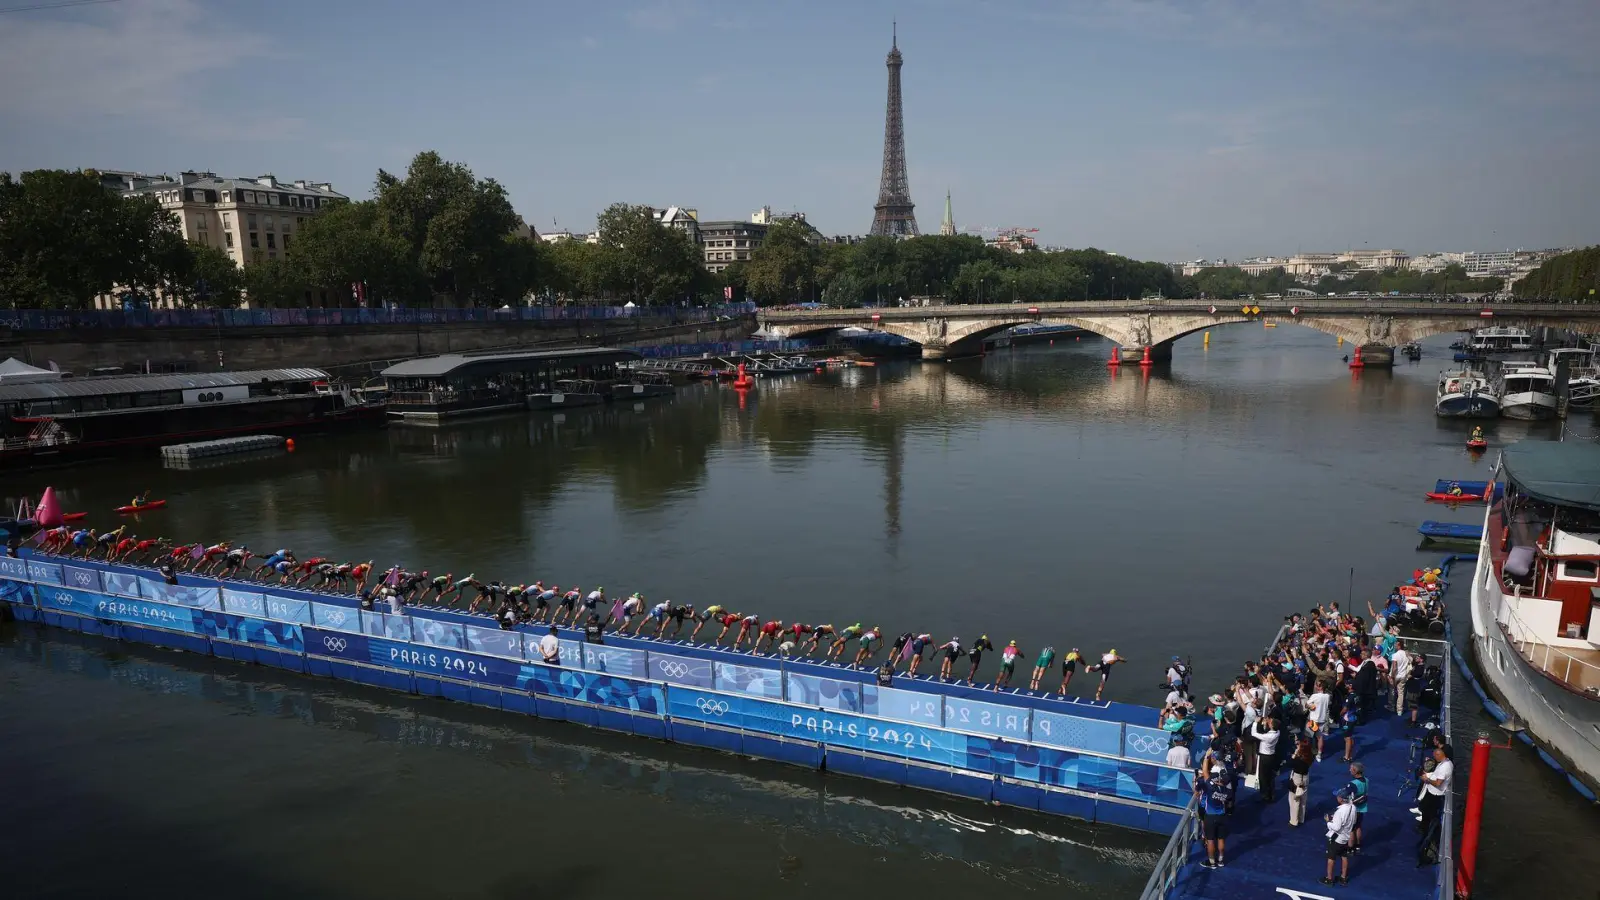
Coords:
1031,495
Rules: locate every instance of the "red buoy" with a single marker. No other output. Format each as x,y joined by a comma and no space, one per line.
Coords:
1116,357
1355,361
1144,361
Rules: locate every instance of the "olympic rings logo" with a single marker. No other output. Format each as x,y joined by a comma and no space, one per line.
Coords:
63,598
336,644
1144,744
712,707
672,668
336,617
83,579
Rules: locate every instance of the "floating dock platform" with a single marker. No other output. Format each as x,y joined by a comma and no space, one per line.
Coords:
1450,532
189,453
1098,761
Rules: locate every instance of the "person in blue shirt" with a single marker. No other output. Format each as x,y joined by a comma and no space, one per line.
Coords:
1357,789
1213,795
1349,717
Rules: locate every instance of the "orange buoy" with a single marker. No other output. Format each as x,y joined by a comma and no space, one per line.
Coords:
1116,357
1144,361
289,445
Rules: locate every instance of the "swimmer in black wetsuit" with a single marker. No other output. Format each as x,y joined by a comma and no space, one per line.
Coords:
675,615
978,647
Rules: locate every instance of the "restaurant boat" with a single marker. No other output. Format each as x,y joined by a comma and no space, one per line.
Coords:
68,418
433,388
1536,599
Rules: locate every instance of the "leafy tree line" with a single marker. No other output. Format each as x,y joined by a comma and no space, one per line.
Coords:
435,234
790,267
1229,281
1571,276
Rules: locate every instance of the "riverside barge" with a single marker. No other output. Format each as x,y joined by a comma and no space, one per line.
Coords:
71,418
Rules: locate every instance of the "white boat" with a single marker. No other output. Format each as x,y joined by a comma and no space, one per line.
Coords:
1466,394
1535,616
1527,391
1500,339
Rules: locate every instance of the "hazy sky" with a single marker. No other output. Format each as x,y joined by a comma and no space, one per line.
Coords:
1164,129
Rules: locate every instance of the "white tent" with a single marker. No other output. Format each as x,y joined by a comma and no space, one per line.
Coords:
15,371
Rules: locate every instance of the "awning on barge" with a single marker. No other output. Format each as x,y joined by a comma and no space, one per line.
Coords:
1563,474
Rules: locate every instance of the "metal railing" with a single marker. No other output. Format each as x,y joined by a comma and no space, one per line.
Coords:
1176,855
1274,308
1553,661
53,320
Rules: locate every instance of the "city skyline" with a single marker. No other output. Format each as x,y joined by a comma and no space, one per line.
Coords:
1160,130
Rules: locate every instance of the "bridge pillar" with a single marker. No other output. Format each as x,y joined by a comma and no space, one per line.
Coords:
1377,355
1158,353
935,352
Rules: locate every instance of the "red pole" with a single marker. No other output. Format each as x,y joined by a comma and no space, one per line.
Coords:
1467,866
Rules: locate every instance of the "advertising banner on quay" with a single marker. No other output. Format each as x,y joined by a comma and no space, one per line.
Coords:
118,609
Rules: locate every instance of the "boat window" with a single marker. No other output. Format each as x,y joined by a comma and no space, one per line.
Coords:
1580,570
119,401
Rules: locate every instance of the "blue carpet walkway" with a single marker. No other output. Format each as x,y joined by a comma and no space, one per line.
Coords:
1264,854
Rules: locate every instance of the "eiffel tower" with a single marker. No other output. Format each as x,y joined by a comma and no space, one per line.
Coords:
894,214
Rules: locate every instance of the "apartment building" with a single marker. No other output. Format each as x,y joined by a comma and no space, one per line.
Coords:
251,219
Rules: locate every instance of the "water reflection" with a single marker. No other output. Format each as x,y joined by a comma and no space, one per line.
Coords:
568,766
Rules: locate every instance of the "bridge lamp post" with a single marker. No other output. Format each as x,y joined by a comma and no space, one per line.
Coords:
1113,287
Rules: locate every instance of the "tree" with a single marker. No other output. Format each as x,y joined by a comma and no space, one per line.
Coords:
65,239
216,280
846,289
274,284
1571,276
783,268
643,260
346,244
455,226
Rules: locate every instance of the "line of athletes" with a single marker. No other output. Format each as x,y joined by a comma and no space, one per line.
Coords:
536,603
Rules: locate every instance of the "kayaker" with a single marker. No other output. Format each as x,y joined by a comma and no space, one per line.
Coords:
1455,489
140,500
1477,433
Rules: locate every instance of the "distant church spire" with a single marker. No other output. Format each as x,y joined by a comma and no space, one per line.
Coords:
948,226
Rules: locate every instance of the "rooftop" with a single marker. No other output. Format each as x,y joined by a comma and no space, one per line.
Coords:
135,384
1563,473
453,363
210,181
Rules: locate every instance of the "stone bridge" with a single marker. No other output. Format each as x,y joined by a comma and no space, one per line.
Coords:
1375,324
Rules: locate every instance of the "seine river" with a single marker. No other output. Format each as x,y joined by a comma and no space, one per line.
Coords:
1030,495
